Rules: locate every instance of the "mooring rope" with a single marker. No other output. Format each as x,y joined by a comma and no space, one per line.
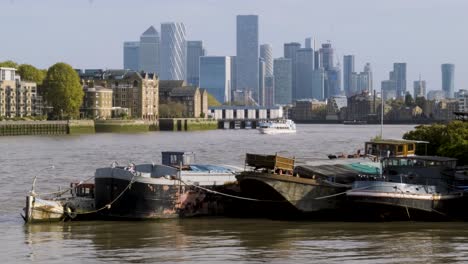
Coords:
58,193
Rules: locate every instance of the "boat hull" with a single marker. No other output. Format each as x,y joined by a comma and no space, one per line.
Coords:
39,210
272,131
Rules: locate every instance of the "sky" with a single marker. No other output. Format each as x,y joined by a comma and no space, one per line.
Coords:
90,33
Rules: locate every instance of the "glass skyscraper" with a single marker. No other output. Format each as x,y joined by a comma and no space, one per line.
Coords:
149,51
195,50
215,76
266,52
399,76
173,51
131,55
303,75
290,53
348,69
448,79
247,54
282,70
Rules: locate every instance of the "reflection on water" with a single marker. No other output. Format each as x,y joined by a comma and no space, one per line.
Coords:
248,240
213,240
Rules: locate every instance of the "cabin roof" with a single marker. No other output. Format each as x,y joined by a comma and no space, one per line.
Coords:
428,158
396,141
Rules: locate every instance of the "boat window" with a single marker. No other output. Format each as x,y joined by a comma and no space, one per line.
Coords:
410,147
400,148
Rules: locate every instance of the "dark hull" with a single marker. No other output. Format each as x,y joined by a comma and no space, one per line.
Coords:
155,201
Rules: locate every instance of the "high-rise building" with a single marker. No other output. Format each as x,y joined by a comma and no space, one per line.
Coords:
282,70
247,54
261,81
317,60
304,63
233,73
290,50
215,76
266,53
131,55
318,84
448,79
173,51
149,51
348,69
326,56
419,88
195,50
369,79
308,43
399,76
389,89
269,90
333,82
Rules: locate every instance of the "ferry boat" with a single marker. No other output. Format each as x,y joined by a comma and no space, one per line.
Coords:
278,127
411,188
176,188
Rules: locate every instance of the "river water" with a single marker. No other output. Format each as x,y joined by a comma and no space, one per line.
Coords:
207,240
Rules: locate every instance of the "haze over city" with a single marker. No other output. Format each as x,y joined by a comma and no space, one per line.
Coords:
89,34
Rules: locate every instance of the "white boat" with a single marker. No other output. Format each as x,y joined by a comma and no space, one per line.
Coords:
278,127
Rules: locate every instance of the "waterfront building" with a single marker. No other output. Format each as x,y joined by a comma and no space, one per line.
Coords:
419,88
308,109
399,76
266,52
318,84
195,50
149,55
18,98
335,107
361,106
283,80
215,76
462,97
348,70
448,79
261,81
131,55
388,88
192,98
173,51
97,102
247,54
290,50
304,65
226,112
436,95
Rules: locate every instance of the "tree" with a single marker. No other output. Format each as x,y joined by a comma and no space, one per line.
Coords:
212,100
63,91
409,99
31,73
172,110
9,64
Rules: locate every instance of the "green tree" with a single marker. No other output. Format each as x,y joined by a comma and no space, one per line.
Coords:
31,73
172,110
63,91
9,64
409,99
212,100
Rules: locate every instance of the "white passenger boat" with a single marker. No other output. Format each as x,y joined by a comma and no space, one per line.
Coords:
278,127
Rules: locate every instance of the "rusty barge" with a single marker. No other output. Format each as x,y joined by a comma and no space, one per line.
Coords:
176,188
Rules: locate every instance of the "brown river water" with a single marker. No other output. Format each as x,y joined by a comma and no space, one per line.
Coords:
202,240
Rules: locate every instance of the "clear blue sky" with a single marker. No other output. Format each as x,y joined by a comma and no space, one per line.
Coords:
90,33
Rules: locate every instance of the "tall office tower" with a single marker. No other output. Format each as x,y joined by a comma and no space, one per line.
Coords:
448,79
317,60
348,69
215,76
247,54
290,50
195,50
419,88
326,56
269,90
370,78
233,73
131,55
149,51
266,52
308,43
399,76
173,51
388,89
282,70
318,84
261,81
304,67
333,82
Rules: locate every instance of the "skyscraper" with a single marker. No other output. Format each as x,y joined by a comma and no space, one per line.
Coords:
261,81
308,43
131,55
290,53
266,53
149,51
173,51
304,68
215,76
333,82
419,87
326,56
282,70
348,69
247,54
388,89
318,84
448,79
195,50
399,76
269,90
